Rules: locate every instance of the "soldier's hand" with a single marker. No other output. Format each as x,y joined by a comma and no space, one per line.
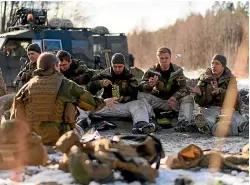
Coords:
215,87
110,102
106,83
172,102
152,81
196,90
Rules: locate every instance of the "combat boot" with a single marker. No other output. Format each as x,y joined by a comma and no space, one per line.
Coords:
185,126
164,118
142,127
201,124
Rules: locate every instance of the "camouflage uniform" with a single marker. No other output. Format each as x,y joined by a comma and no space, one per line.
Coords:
78,72
3,88
211,104
128,90
97,159
174,85
25,75
47,103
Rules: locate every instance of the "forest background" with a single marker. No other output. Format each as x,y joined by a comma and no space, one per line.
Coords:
223,29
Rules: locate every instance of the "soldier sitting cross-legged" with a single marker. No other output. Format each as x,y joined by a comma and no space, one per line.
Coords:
118,81
217,95
164,87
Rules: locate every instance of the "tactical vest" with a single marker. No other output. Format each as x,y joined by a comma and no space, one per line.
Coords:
41,104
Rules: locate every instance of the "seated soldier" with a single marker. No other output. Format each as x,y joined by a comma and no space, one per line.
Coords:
118,81
47,102
164,87
74,70
210,92
26,73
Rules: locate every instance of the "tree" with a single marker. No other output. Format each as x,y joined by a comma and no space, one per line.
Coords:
3,16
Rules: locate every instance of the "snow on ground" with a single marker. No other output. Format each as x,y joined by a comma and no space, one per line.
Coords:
35,174
166,177
243,83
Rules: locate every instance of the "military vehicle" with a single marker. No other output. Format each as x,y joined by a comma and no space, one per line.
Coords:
31,26
110,43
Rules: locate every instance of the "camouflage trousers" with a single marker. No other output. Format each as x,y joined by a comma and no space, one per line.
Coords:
184,106
134,109
237,125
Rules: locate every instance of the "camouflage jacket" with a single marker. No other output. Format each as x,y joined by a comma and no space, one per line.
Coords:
207,99
69,92
26,74
78,72
128,85
175,85
32,104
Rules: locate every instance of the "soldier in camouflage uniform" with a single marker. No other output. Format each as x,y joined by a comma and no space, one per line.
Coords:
118,81
26,74
3,91
210,93
48,101
164,87
74,70
3,88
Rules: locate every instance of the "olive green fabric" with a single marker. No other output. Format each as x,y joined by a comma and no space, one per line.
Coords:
69,92
175,85
128,85
206,99
95,159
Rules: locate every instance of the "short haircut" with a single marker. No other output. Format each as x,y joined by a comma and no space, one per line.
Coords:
162,50
63,55
46,61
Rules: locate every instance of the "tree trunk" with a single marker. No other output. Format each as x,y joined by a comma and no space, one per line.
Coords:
3,21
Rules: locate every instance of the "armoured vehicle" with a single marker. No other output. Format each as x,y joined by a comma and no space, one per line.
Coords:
115,42
31,26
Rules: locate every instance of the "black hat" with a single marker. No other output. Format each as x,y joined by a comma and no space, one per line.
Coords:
34,47
221,58
118,58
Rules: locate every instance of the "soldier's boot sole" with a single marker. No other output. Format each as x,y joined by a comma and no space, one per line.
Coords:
147,129
201,124
200,121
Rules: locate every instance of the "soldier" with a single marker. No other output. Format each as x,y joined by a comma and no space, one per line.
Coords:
164,87
47,102
25,75
3,88
118,81
74,70
210,94
13,48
